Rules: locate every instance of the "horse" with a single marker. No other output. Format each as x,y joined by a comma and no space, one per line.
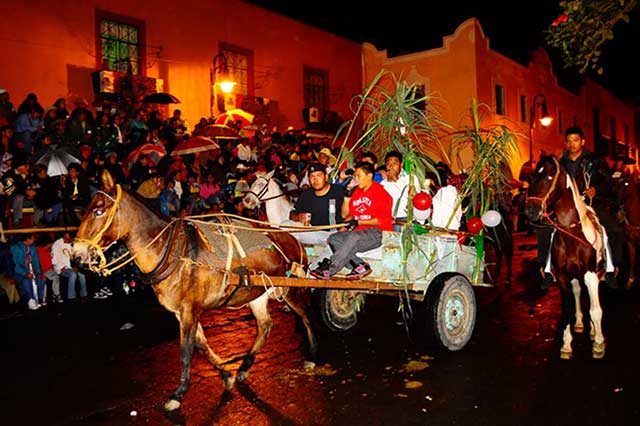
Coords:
577,249
266,189
628,191
186,275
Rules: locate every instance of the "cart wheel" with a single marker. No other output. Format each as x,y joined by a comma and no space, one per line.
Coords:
338,309
451,310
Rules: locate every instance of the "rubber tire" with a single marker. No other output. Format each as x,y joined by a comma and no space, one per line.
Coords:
331,318
450,288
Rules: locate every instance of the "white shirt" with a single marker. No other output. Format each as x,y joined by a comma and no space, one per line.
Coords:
443,204
399,191
60,255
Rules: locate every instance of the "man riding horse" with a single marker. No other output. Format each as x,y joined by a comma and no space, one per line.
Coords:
593,177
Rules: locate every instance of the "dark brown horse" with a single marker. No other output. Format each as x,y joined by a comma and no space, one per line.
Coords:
628,191
576,250
186,273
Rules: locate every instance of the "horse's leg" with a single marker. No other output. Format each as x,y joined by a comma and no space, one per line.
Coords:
632,264
592,282
296,302
567,317
188,329
579,325
263,319
203,347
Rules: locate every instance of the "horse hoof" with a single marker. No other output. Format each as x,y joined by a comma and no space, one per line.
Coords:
172,405
598,351
566,355
578,328
242,376
229,382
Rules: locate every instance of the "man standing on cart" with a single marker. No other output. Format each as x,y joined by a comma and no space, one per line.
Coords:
369,214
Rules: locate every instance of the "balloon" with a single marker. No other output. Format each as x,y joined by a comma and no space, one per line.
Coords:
422,201
421,215
491,218
474,225
462,238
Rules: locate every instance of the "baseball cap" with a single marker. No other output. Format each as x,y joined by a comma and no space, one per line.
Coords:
317,167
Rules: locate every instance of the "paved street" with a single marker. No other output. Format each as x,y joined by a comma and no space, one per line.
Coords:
75,366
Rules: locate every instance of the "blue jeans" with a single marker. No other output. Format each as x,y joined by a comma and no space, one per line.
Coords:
26,288
74,276
49,217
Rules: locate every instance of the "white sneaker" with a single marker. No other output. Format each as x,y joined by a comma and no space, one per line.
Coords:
100,295
106,291
32,304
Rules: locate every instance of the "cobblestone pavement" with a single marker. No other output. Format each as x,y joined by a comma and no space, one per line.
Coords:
73,365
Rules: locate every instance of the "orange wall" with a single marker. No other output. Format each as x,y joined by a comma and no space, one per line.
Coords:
465,67
49,48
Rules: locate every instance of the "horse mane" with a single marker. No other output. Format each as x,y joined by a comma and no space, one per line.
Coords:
591,227
147,204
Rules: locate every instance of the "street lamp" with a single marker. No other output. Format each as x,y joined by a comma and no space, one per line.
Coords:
221,73
545,119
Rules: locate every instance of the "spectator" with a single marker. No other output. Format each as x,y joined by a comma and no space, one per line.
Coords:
28,273
75,193
43,247
48,204
27,126
16,186
80,129
169,200
7,111
61,259
209,190
60,105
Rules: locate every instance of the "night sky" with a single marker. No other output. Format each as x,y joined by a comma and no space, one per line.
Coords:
402,28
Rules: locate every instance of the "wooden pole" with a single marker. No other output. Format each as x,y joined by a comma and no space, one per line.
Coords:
38,230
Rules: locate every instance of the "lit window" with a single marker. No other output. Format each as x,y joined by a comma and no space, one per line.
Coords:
119,46
238,65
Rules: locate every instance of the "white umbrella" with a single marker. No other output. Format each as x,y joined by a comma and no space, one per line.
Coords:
57,161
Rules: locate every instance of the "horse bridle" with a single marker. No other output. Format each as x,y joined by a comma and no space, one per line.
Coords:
95,241
264,190
543,200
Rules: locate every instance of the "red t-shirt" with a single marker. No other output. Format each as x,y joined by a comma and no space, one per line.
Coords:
44,254
375,202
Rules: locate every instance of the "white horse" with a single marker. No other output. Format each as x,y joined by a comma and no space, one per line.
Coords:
266,189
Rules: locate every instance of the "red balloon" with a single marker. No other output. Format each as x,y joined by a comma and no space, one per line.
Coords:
474,225
422,201
462,238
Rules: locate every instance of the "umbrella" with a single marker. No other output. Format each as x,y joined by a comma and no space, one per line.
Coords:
58,158
160,98
195,144
234,115
155,152
218,131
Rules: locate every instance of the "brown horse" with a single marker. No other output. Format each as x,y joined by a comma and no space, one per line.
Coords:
186,274
576,250
628,191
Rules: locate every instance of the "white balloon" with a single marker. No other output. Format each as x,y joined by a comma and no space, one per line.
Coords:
421,215
491,218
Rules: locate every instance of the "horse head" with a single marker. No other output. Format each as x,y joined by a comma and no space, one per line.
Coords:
100,227
259,190
542,191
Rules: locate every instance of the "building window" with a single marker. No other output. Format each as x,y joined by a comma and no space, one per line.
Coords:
612,129
499,100
240,65
316,88
119,46
523,109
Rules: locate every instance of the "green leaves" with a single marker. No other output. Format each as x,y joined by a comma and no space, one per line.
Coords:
583,27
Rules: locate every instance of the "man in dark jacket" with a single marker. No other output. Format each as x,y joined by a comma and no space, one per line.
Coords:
593,177
75,193
47,201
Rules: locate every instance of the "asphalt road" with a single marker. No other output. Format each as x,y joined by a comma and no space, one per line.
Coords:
73,365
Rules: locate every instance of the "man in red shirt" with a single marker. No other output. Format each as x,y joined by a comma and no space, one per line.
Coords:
369,214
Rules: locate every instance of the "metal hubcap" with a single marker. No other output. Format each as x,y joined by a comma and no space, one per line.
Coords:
454,312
